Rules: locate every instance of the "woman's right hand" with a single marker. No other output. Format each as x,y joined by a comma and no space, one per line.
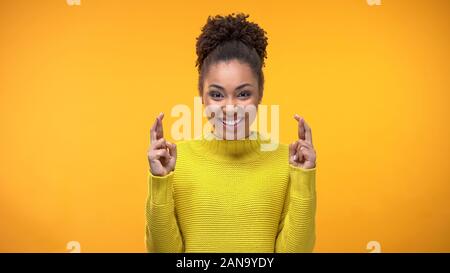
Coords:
162,155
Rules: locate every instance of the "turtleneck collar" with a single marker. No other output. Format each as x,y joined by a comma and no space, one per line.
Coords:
243,149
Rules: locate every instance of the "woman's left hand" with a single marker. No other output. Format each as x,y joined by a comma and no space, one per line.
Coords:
301,152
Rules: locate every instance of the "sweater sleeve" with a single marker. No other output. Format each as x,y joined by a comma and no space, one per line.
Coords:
296,231
162,230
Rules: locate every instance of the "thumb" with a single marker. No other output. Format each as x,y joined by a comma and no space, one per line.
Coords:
293,150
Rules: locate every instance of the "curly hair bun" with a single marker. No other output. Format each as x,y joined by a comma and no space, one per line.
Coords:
220,29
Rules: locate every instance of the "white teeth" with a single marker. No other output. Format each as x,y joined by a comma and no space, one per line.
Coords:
231,122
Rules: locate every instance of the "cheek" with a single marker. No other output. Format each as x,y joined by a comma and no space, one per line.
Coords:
210,102
211,106
252,101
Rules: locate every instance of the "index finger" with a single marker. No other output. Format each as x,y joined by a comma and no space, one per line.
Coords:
159,126
153,131
301,127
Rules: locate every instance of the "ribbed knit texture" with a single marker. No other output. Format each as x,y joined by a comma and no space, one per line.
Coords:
229,196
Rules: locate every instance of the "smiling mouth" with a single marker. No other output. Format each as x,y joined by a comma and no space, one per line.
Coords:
231,123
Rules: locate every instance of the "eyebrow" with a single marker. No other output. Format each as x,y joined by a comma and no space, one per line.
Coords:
221,88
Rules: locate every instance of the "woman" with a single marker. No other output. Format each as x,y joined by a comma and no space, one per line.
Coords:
225,194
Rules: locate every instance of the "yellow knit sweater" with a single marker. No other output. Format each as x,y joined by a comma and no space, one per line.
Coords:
229,196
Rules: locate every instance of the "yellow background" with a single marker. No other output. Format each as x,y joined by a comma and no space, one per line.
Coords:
81,85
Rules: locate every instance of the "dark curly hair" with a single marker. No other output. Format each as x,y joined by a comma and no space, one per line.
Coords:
231,37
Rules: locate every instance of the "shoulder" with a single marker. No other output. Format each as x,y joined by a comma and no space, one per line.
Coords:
187,146
183,145
275,153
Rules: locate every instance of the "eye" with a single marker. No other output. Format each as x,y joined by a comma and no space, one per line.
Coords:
215,95
244,94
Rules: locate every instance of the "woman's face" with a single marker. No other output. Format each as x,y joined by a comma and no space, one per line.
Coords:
231,91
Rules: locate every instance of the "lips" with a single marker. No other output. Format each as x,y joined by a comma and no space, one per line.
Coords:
231,123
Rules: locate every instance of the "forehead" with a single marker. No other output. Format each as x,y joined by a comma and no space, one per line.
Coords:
230,73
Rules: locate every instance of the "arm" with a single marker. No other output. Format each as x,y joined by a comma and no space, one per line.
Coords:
296,232
162,231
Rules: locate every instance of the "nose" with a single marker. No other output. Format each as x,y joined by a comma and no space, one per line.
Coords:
235,111
230,101
229,110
